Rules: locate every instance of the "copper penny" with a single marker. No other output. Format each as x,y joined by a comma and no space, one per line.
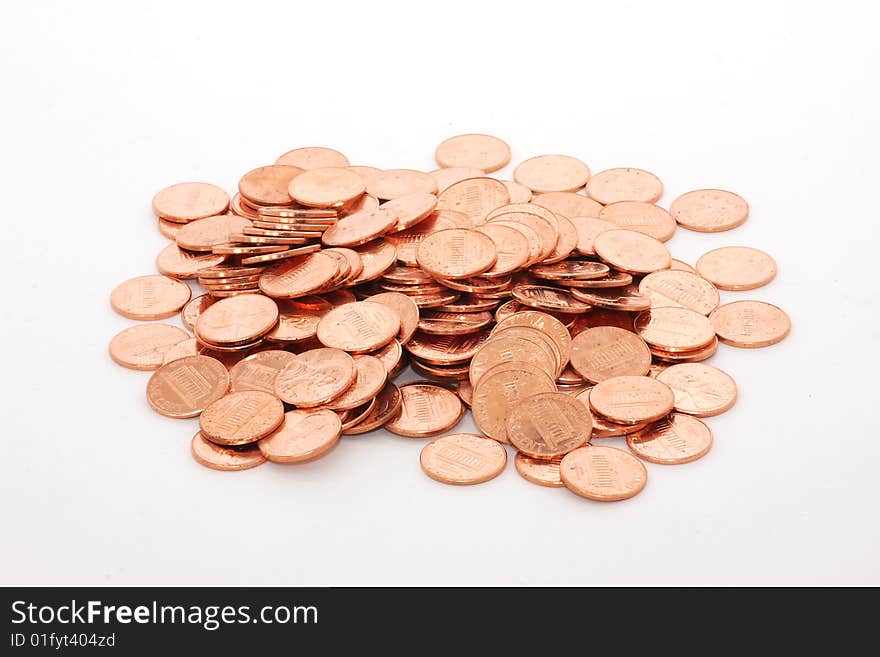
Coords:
501,389
184,348
359,228
456,253
185,387
474,150
298,276
243,417
546,230
304,435
219,457
442,372
387,407
631,399
370,379
406,309
451,175
554,359
425,410
617,298
641,217
552,173
570,270
548,298
315,377
410,210
281,255
603,474
517,193
150,297
680,289
588,229
236,320
547,324
709,210
632,252
699,389
376,257
737,268
674,329
295,323
673,440
326,187
143,347
465,392
750,323
624,184
313,157
568,204
268,185
469,304
177,263
185,202
511,248
168,229
393,183
604,352
549,424
544,472
407,241
474,197
359,327
463,459
258,371
510,349
205,234
446,349
407,276
603,427
567,242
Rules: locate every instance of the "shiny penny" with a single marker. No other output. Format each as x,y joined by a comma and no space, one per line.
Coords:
709,210
568,204
387,407
680,289
268,185
359,228
150,297
750,324
603,474
315,377
304,435
626,298
674,329
588,229
144,346
446,349
393,183
463,459
737,268
411,209
406,309
185,387
204,234
237,319
603,427
552,173
699,389
243,417
359,327
219,457
474,150
624,184
604,352
549,424
299,276
451,175
511,248
185,202
673,440
631,399
425,410
326,187
517,193
456,253
313,157
547,324
370,379
174,261
641,217
475,198
632,252
548,298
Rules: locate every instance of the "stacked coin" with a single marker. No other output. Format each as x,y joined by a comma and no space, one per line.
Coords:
549,305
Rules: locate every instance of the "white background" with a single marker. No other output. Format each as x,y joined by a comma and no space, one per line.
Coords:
105,103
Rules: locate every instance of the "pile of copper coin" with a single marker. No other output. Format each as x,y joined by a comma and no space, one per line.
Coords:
549,305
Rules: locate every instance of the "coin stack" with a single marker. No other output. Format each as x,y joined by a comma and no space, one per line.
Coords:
549,305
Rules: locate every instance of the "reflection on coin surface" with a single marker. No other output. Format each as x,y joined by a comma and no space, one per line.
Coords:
150,297
737,268
548,424
241,417
631,399
625,184
315,377
185,387
544,472
699,389
604,352
680,289
426,410
750,323
709,210
463,459
220,457
304,435
143,346
478,151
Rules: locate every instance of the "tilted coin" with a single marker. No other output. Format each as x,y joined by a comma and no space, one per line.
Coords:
500,389
549,424
641,217
150,297
604,352
709,210
221,457
258,371
632,252
737,268
185,387
552,173
387,407
675,439
473,150
680,289
699,389
241,417
359,327
315,377
426,410
624,184
313,157
674,329
603,474
185,202
303,435
750,323
143,346
631,399
456,253
544,472
463,459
